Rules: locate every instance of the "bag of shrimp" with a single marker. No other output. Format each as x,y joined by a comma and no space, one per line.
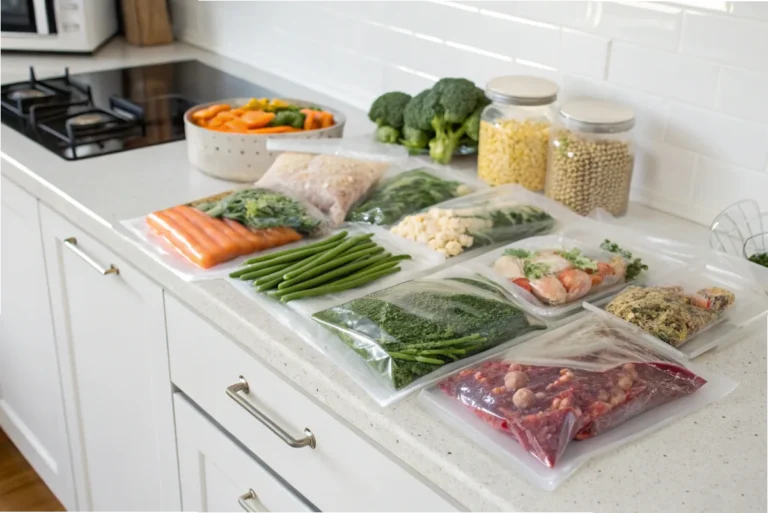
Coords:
550,276
547,406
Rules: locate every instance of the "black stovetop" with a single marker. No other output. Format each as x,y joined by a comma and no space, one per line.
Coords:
91,114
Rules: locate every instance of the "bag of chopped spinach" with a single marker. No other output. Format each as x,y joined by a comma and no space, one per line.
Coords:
404,194
410,330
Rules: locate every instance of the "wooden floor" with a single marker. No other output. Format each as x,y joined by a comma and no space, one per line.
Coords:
20,487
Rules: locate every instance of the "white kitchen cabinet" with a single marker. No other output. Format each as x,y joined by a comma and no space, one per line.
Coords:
110,330
217,474
31,407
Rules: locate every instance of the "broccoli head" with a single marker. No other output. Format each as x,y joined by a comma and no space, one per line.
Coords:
387,134
472,124
415,139
288,118
461,103
387,109
421,110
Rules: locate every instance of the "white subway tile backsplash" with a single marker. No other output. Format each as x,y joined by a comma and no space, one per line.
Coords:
646,23
744,93
719,184
696,75
726,39
682,77
583,53
719,136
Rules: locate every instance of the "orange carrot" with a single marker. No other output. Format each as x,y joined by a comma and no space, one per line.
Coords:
274,130
257,118
238,111
326,119
236,125
309,119
210,111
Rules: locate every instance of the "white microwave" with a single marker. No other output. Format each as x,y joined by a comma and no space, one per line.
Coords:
57,25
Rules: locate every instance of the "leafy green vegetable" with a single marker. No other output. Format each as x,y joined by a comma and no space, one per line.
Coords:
261,208
288,118
506,224
518,253
409,330
578,260
404,194
634,267
535,270
760,259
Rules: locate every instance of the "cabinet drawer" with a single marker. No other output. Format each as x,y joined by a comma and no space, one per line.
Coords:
342,472
217,473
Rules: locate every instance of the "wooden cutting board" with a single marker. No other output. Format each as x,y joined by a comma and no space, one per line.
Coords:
147,22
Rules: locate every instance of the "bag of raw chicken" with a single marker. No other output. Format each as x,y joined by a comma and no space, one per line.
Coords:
585,380
331,174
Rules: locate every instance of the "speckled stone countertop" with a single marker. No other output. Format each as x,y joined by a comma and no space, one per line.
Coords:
713,460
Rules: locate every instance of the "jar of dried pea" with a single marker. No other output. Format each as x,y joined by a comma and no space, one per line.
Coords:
591,157
514,131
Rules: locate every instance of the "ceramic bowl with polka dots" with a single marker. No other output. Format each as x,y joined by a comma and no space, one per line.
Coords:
243,157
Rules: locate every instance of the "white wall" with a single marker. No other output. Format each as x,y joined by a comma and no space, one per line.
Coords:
697,76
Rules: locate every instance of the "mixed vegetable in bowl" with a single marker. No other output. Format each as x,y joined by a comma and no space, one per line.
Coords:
262,116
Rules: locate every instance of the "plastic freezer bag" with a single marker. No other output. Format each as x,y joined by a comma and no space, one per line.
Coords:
549,405
492,216
409,331
332,175
551,275
208,238
692,309
406,193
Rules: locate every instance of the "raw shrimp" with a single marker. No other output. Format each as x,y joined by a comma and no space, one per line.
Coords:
509,267
549,290
713,298
555,262
612,272
577,283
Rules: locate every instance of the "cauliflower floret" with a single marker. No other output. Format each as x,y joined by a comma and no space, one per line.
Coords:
434,213
435,244
455,224
453,248
466,240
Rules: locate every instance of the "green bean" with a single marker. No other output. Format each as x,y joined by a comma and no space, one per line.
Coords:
295,254
328,255
276,254
329,266
308,284
262,272
295,265
376,266
331,289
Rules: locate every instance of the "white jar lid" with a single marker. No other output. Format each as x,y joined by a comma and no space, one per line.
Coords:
522,90
598,116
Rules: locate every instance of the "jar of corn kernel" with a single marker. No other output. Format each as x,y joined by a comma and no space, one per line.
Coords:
591,157
514,131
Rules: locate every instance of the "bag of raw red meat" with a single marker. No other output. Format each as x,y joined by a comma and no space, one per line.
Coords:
560,399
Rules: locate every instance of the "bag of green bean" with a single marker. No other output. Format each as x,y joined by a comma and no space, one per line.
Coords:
409,331
405,194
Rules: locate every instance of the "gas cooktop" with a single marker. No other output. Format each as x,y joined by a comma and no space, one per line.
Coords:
90,114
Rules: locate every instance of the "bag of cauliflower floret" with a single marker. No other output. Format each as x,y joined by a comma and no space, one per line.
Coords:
499,215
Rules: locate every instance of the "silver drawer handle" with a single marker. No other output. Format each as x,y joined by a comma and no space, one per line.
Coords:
250,495
71,243
242,386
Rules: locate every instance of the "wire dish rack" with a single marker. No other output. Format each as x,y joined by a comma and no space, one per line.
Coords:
740,230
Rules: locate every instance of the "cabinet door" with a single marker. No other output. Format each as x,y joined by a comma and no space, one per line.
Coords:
31,408
110,331
217,474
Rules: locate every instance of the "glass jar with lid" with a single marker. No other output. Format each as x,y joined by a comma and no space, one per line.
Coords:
514,131
591,157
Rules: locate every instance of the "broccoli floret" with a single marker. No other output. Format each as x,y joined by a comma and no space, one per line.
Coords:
387,134
421,110
414,139
472,124
288,118
461,102
387,109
